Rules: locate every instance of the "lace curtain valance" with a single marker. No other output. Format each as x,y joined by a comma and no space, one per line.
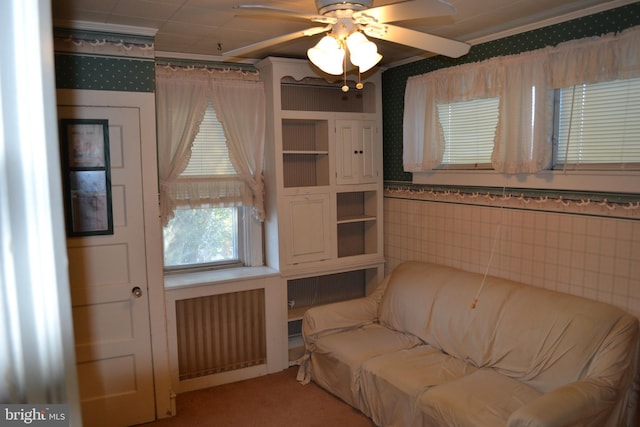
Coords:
524,84
182,97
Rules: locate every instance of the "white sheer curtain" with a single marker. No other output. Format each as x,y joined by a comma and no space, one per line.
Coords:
182,96
522,142
240,107
525,85
598,59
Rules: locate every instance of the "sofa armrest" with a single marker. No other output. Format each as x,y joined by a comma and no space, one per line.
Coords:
580,403
343,315
336,317
331,318
608,385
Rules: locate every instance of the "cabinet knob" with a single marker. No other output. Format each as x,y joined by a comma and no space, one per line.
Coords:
355,151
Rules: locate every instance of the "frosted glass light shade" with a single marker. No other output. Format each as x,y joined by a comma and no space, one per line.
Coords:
362,52
327,55
368,63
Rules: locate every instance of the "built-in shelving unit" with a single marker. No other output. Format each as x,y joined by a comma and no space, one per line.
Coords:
323,180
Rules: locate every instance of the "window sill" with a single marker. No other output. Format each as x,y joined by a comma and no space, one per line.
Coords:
216,277
588,181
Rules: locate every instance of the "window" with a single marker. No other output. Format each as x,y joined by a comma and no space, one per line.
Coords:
208,237
469,129
597,126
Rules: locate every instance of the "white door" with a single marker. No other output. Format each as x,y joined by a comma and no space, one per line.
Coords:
110,315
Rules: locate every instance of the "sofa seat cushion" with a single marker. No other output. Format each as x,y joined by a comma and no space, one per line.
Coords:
391,383
484,398
337,359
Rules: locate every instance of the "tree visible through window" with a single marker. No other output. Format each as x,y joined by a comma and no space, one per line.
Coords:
201,236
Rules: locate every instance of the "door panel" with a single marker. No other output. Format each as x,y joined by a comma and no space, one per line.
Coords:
348,147
368,157
112,331
308,238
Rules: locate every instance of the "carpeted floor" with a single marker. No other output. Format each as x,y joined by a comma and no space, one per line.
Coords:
275,400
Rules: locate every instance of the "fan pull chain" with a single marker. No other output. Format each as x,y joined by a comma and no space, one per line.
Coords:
345,87
359,85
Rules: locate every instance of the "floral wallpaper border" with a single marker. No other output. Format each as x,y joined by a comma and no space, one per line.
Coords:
610,205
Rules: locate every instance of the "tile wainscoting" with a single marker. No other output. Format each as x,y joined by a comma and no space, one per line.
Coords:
597,257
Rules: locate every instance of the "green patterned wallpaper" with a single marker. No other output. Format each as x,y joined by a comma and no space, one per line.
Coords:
394,80
104,73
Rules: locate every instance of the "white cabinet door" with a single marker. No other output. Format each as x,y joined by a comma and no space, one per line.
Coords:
306,230
356,152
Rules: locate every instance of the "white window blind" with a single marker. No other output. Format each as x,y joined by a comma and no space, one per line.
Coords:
209,153
469,129
599,125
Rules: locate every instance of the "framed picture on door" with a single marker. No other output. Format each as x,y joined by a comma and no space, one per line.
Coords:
86,176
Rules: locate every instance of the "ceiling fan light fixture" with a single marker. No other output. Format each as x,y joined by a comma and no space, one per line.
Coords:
328,55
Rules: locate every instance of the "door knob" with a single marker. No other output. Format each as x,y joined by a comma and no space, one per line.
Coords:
137,292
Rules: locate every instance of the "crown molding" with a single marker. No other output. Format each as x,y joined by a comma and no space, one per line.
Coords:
105,28
206,58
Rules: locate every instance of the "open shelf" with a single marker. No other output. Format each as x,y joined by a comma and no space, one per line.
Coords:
356,206
305,153
357,223
312,94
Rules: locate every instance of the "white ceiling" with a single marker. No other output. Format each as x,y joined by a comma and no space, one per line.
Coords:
193,28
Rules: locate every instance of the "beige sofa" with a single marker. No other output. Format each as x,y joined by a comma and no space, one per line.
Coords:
415,353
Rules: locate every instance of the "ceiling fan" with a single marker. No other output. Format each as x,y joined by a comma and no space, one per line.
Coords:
347,23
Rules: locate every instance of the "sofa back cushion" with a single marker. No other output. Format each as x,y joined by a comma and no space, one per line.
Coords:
548,339
541,337
408,300
434,302
463,329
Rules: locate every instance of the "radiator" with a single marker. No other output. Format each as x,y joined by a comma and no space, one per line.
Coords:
220,333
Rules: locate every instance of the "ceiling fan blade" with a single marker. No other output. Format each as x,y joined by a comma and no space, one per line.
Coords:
279,11
424,41
404,11
276,40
